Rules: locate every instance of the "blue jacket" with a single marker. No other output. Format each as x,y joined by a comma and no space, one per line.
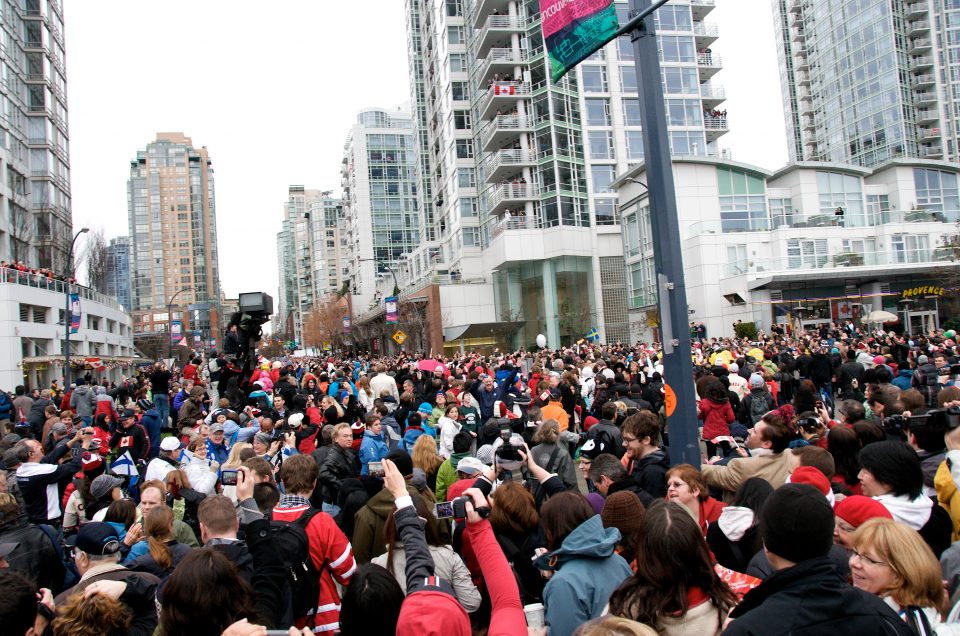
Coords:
902,381
179,399
410,438
151,423
6,406
218,452
372,449
587,571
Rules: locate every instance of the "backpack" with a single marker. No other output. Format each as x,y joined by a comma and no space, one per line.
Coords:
302,584
758,407
213,366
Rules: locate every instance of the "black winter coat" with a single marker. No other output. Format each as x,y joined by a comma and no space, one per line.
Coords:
339,464
811,598
651,473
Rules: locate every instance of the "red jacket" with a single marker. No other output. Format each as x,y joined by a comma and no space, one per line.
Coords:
709,512
332,556
717,417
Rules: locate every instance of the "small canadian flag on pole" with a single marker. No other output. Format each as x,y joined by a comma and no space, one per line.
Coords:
96,363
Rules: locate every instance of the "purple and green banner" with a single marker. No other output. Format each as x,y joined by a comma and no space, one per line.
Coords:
391,310
74,313
574,29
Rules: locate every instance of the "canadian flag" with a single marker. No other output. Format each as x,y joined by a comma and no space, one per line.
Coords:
96,363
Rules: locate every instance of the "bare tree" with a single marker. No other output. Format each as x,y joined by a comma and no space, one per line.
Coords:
325,323
95,256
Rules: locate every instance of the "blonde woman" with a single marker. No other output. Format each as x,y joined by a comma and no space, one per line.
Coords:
893,562
333,413
234,462
426,458
365,394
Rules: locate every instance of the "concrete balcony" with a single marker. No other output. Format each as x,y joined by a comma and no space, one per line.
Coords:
929,134
701,8
920,45
712,96
920,63
715,127
483,8
509,196
808,123
925,98
916,9
497,32
933,152
525,239
803,79
917,28
502,61
927,116
502,97
709,65
923,81
505,164
705,34
502,130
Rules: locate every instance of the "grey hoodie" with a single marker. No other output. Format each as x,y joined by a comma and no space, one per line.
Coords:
83,401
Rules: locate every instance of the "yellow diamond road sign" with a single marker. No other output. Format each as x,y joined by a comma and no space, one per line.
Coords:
399,337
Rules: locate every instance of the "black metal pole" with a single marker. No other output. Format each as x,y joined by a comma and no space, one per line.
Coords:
665,226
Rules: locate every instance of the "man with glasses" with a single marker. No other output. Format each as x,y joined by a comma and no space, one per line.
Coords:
647,462
97,556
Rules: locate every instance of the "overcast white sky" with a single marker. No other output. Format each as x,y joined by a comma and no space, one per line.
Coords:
272,90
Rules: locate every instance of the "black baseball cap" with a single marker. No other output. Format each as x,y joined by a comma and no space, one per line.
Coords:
98,538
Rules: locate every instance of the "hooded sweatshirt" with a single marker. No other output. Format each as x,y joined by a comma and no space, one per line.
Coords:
447,474
83,401
910,512
587,570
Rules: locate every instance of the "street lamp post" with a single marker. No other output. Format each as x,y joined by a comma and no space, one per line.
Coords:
170,319
66,310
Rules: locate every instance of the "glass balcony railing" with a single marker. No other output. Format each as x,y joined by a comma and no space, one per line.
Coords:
39,281
837,260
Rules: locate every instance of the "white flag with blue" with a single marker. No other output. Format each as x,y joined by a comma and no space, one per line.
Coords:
124,465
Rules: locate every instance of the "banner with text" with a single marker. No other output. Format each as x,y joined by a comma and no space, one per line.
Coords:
391,307
346,324
176,330
574,29
74,313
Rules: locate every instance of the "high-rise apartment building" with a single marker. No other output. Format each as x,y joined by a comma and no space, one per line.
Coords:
173,229
117,279
36,220
311,255
515,170
379,199
867,81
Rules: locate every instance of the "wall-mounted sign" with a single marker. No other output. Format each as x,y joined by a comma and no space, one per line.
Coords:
922,290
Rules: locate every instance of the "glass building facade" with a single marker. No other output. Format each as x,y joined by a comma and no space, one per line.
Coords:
868,81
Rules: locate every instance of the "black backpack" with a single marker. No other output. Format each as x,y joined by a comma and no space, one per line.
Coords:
302,586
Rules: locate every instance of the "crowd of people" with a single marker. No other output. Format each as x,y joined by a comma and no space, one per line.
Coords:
501,493
36,274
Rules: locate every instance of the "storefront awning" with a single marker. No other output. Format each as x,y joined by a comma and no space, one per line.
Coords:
480,330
